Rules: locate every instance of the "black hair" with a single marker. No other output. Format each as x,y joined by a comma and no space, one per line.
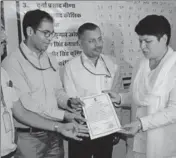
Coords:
156,25
34,18
85,27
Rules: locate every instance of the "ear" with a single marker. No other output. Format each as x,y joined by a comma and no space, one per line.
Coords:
164,38
80,43
29,31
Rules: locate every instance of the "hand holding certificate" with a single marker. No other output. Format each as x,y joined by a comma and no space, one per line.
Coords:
100,114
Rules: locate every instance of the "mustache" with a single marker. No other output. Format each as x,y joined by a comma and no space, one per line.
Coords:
98,48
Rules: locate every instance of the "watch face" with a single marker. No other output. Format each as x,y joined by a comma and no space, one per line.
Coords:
55,127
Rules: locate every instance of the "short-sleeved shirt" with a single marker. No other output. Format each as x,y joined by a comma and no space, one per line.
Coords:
9,95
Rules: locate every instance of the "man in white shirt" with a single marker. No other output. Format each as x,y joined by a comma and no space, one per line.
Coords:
10,104
85,75
36,80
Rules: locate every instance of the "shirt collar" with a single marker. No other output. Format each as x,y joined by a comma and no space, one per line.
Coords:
86,60
28,52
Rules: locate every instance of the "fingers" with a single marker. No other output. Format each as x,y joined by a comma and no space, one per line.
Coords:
76,138
127,126
106,91
82,135
83,129
111,93
123,131
71,110
79,118
80,101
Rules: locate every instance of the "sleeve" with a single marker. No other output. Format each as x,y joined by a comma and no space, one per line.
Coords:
60,93
117,79
163,117
68,81
126,98
15,71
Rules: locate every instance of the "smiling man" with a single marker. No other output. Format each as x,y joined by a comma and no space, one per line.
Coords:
85,75
35,75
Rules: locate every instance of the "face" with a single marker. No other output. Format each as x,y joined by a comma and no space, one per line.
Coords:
2,40
91,43
152,47
39,37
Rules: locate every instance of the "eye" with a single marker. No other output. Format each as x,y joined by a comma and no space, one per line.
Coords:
46,32
100,39
148,41
91,41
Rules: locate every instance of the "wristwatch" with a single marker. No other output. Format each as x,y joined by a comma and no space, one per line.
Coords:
55,127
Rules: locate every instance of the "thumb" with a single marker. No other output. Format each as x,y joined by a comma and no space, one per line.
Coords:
111,93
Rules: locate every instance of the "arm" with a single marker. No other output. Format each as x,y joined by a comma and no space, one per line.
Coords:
126,98
163,117
68,82
22,87
29,118
70,130
61,95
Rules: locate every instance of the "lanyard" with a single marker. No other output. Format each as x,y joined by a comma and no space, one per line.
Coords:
51,66
108,76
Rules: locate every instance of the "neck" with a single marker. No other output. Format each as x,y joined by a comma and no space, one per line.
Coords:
162,56
94,60
156,61
32,48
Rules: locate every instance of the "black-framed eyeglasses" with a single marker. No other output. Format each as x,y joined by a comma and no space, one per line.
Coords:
47,34
41,69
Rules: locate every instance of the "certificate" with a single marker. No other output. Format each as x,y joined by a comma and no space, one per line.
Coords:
101,116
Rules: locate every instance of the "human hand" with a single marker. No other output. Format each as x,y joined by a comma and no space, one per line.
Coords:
69,117
132,128
74,131
115,97
75,104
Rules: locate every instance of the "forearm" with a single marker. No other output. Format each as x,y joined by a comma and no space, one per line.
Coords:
62,98
44,110
159,119
30,118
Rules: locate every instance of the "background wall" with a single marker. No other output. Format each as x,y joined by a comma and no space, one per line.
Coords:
117,20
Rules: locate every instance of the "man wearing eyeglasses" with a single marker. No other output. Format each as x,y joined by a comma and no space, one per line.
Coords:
89,74
37,82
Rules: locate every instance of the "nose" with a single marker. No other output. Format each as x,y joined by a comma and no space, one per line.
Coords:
49,38
142,44
98,43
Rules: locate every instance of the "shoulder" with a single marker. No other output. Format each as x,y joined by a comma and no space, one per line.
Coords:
74,62
111,62
109,58
12,60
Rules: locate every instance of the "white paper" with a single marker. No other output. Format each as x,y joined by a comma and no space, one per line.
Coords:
101,117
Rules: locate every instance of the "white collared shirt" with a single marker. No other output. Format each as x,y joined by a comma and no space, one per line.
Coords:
7,137
78,81
159,127
36,88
